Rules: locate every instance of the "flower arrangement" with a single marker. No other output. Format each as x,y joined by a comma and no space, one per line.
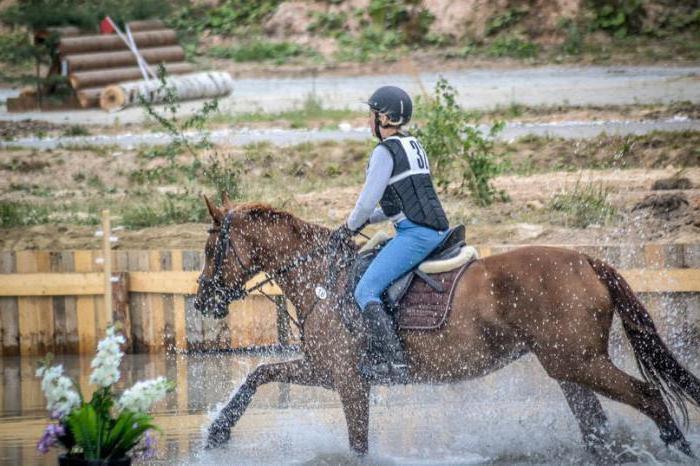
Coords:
105,428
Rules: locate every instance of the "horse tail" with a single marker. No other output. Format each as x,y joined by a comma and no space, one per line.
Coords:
656,363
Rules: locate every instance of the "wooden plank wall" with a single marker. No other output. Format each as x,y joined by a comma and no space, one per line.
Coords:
155,322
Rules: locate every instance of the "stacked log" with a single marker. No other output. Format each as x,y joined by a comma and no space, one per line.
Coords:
111,42
99,60
93,62
191,86
103,77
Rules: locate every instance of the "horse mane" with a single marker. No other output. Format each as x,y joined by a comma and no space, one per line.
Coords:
264,211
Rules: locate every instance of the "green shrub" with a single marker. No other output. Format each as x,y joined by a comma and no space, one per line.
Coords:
228,18
512,46
86,14
584,206
279,52
505,20
222,174
327,23
14,214
573,38
373,42
618,17
458,150
409,17
15,48
171,209
76,130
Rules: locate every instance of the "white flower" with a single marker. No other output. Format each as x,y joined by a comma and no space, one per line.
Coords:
106,362
144,394
60,393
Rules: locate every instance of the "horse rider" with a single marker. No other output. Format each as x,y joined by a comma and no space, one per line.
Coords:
398,179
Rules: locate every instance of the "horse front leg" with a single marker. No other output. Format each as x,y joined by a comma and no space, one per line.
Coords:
298,372
354,396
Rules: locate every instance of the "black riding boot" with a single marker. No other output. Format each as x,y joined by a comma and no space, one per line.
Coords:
385,341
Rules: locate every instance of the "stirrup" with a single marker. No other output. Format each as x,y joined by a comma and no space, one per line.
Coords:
383,371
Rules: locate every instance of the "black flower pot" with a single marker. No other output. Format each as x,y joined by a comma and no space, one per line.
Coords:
67,460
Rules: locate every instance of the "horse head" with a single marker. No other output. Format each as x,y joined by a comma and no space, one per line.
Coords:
229,261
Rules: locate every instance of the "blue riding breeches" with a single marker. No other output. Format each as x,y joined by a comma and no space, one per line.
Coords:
411,245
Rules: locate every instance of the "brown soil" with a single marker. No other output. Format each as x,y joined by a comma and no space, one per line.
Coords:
525,219
15,129
308,181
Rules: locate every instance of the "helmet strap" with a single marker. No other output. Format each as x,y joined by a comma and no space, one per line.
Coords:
377,127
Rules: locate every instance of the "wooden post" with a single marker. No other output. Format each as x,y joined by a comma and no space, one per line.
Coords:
107,265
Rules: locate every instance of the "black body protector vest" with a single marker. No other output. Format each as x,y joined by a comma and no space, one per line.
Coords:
410,188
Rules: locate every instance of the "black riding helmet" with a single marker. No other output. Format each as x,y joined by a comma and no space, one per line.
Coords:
393,102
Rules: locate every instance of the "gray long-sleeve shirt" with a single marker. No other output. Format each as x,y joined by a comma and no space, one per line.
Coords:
381,164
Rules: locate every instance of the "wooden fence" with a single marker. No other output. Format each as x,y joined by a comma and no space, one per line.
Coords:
54,301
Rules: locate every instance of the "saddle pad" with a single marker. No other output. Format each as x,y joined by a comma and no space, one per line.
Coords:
423,308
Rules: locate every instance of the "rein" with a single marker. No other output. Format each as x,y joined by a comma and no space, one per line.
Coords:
228,293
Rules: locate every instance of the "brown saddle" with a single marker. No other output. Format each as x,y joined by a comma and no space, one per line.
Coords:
422,307
421,299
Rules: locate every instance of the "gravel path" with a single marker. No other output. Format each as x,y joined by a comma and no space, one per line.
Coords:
482,89
513,130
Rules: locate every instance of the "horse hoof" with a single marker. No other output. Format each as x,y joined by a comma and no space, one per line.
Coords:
683,446
218,436
602,453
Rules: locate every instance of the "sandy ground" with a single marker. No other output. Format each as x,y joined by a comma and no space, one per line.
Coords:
525,219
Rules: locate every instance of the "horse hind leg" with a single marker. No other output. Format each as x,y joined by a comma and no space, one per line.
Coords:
601,375
590,416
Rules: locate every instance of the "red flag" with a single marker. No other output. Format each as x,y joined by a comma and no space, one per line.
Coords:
106,27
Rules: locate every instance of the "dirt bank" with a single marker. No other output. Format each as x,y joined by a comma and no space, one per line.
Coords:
525,219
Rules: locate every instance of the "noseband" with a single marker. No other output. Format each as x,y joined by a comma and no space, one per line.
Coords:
215,287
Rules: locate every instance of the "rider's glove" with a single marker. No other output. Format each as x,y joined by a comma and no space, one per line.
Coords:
340,235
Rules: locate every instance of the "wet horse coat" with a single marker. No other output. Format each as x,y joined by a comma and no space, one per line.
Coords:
554,302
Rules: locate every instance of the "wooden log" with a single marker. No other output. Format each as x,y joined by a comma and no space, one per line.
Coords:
122,58
9,330
146,25
65,316
155,316
120,303
179,325
52,284
85,306
90,97
35,313
191,86
97,43
97,78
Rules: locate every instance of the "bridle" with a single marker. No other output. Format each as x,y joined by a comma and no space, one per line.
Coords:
215,287
225,294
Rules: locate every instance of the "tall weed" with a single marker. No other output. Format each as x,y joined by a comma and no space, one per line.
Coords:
459,151
584,205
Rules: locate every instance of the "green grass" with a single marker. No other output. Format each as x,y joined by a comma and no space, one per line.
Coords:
311,110
277,52
511,46
165,210
75,130
584,206
15,214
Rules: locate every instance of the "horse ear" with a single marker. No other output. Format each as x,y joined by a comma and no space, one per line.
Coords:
226,201
215,213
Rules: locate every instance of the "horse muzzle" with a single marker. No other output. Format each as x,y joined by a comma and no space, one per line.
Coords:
213,298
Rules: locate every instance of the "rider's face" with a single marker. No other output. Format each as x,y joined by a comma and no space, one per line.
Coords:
372,115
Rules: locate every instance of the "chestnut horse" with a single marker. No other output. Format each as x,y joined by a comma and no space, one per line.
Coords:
553,302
